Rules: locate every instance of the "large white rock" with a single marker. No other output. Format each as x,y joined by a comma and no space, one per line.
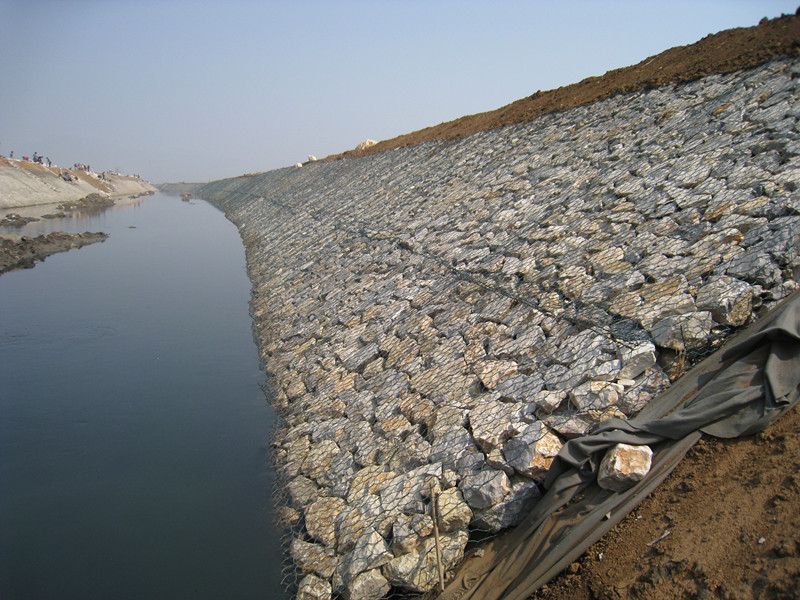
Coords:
321,518
408,531
493,372
729,300
365,144
302,491
453,512
623,466
353,521
405,492
511,510
312,587
450,445
532,451
368,480
545,402
370,552
493,422
370,585
636,360
682,331
318,461
485,488
417,570
595,395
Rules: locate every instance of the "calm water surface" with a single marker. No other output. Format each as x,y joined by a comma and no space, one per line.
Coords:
133,431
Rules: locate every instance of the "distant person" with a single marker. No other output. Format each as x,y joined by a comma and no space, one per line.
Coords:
49,164
11,155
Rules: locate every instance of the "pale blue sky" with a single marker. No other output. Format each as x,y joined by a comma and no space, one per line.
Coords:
196,91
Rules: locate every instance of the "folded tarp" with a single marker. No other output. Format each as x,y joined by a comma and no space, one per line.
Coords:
739,390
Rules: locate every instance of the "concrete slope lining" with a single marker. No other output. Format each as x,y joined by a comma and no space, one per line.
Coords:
23,183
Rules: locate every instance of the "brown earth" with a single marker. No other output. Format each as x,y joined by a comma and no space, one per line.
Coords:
722,52
731,516
727,520
19,252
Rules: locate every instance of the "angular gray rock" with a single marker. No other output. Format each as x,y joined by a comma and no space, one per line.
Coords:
683,331
417,571
532,451
492,422
484,488
320,517
511,510
729,300
312,587
454,513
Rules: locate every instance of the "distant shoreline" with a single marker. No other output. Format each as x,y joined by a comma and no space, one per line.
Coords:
20,252
25,183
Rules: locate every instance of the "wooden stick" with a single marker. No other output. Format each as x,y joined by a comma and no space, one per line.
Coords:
435,510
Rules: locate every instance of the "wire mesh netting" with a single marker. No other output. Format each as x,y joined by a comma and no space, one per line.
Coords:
437,321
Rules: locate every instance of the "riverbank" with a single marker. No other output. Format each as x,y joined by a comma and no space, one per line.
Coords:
20,252
449,314
444,316
24,183
723,52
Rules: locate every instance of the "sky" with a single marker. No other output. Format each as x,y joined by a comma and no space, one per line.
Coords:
177,90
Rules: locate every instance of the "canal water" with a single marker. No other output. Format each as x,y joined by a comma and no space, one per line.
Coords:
133,429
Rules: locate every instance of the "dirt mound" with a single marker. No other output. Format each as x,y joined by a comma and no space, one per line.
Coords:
730,525
93,204
23,252
722,52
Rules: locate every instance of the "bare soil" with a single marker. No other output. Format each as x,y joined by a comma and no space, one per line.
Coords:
727,520
19,252
730,514
729,50
92,204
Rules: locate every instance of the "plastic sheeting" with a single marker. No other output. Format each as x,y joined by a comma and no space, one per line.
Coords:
737,391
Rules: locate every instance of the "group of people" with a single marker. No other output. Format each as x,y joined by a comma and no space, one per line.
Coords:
37,158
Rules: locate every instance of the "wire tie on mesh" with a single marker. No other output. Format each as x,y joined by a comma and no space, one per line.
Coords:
659,538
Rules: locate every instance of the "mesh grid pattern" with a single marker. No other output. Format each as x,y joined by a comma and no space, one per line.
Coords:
436,321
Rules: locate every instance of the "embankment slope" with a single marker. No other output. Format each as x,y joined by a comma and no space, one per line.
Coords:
723,52
430,314
24,183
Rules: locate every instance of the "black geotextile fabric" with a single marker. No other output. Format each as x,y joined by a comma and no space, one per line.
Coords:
737,391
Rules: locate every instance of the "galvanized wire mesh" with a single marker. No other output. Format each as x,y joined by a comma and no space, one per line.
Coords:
438,320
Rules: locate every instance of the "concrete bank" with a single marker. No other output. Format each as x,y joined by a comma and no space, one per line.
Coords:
437,320
24,183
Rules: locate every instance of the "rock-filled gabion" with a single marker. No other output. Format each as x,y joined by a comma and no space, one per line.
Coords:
437,320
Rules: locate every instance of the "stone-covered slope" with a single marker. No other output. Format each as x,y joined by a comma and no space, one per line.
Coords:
444,316
24,183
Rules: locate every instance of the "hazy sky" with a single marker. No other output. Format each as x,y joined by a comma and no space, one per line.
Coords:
196,91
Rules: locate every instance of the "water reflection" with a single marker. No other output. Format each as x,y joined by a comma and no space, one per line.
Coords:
133,431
